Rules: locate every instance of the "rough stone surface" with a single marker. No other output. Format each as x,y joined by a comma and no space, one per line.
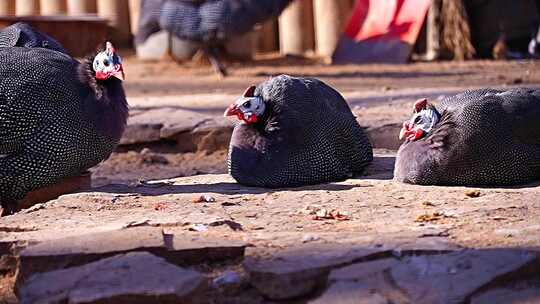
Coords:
451,278
441,278
189,251
137,277
78,250
350,293
520,294
305,268
137,133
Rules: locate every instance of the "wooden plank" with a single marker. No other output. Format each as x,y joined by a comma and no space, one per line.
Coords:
27,8
81,7
7,7
79,35
53,7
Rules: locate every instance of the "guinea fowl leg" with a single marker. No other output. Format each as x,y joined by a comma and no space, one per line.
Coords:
212,54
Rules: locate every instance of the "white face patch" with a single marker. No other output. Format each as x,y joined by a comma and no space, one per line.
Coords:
250,106
425,120
106,63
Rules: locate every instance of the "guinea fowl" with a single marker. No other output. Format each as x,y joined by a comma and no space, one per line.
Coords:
480,137
294,132
58,117
206,22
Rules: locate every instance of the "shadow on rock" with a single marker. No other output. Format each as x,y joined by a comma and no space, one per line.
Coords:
160,188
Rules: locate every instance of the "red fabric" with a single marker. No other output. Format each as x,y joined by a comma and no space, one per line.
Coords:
387,20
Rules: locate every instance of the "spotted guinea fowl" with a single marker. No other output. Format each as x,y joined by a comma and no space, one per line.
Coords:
23,35
294,132
206,22
58,117
480,137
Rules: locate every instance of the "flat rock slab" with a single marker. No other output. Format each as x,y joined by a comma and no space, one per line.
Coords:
173,124
136,277
442,278
78,250
350,293
305,268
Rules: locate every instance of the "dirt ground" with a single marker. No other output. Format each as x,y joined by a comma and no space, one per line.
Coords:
168,78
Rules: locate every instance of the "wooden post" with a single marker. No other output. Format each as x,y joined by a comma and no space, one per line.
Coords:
27,7
81,7
329,22
242,46
7,7
117,12
296,28
53,7
433,41
134,14
267,40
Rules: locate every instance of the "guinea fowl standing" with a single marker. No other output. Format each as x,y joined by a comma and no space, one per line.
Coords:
481,137
58,117
294,132
207,22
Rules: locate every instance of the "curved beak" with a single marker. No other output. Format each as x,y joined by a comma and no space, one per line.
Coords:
402,134
412,133
120,74
404,130
231,110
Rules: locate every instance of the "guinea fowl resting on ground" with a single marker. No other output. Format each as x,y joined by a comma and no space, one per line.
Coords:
481,137
294,132
208,22
58,117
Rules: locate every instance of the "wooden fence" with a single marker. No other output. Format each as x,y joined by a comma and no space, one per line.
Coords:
305,27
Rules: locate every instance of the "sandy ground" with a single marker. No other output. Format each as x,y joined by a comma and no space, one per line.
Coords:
168,78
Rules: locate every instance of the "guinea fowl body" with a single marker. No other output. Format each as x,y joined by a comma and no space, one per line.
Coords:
307,135
205,21
56,120
484,137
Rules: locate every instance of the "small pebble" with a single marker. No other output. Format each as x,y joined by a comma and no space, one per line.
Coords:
198,227
310,238
472,193
227,278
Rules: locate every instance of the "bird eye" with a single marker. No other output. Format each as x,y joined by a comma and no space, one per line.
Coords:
106,62
247,104
418,119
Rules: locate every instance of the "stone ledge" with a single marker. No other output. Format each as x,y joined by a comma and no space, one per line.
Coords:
78,250
136,277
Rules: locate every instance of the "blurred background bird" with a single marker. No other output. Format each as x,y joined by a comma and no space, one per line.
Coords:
208,23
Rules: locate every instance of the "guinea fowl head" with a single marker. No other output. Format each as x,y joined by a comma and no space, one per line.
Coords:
248,108
108,64
425,117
